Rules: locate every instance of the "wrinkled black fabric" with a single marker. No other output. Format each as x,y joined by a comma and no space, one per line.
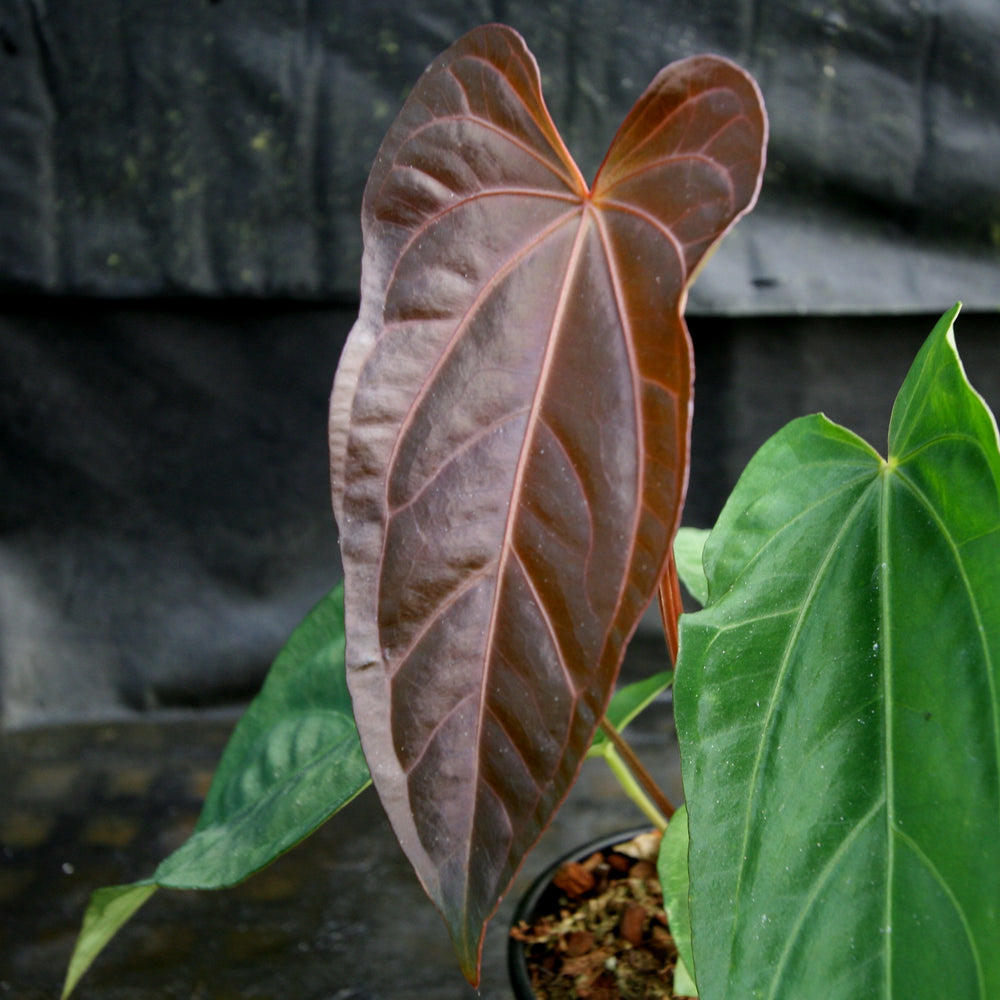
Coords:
164,511
216,147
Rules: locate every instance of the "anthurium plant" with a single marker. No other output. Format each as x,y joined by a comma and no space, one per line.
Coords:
509,438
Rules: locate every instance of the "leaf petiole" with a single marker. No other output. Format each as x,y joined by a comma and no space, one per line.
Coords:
633,789
636,781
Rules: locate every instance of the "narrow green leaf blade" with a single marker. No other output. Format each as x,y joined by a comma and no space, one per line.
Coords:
627,703
293,760
672,868
689,547
108,911
837,707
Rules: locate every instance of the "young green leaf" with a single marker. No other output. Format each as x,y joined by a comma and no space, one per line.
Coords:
293,760
672,869
689,547
838,708
509,437
627,703
109,909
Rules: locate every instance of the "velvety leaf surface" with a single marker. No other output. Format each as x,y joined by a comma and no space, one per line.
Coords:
509,434
838,710
293,760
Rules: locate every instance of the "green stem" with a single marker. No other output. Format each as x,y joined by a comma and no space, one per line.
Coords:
633,789
635,779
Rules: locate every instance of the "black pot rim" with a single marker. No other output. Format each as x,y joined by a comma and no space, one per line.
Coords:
517,962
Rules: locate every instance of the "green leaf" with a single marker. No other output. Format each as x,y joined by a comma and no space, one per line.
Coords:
672,868
684,984
109,909
291,763
293,760
838,711
627,703
689,545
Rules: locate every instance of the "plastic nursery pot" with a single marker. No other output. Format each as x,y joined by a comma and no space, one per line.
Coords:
544,897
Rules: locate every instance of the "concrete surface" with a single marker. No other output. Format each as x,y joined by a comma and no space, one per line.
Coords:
341,917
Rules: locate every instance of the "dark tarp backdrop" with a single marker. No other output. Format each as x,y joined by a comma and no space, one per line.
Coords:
180,187
199,147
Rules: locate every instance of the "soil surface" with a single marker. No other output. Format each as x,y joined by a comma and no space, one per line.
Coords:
607,935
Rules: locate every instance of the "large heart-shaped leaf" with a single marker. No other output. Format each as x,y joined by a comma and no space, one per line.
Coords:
838,707
509,436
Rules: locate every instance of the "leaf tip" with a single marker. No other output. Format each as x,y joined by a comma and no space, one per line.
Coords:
470,962
107,911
